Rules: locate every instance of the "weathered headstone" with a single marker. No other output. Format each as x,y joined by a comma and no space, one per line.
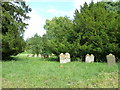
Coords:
89,58
67,57
92,58
64,58
110,59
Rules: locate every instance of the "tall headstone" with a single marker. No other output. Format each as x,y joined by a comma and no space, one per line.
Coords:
110,59
89,58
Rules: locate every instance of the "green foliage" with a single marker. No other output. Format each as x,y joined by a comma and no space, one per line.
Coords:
112,6
58,33
34,44
13,17
94,30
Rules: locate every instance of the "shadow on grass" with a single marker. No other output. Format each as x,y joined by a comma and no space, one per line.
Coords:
24,58
12,58
51,59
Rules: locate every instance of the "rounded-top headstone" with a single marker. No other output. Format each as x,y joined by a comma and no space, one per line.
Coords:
67,53
92,55
110,59
87,54
92,58
110,54
61,54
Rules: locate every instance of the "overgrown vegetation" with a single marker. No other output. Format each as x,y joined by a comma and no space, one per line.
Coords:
34,72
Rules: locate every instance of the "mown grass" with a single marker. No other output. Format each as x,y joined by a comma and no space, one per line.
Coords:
25,72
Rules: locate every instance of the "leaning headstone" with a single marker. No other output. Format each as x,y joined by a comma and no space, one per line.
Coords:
89,58
67,57
110,59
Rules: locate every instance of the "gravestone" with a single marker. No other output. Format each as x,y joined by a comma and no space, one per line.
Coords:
67,57
92,58
110,59
35,55
64,58
39,55
89,58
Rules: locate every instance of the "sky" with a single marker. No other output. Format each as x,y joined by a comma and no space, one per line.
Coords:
47,9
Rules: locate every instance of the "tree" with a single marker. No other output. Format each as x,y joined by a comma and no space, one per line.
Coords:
35,45
13,16
96,30
58,33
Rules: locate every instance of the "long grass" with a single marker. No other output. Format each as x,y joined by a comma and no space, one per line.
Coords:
26,72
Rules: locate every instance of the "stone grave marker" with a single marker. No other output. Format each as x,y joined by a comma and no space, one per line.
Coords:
89,58
39,55
35,55
110,59
67,57
92,58
64,58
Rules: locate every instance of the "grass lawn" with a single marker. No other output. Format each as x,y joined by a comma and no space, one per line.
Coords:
33,72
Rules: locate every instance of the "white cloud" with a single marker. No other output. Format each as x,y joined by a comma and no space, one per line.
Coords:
36,24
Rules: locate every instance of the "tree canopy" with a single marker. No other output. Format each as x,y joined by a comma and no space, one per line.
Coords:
58,33
13,18
93,30
34,44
